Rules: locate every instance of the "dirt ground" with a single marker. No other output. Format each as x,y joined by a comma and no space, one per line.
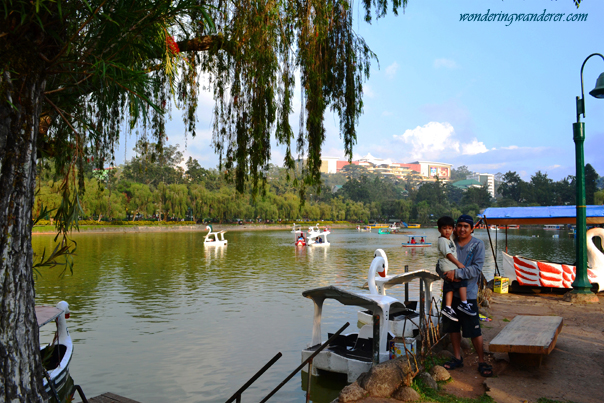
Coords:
574,371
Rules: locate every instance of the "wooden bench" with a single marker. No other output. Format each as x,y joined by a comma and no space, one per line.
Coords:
528,338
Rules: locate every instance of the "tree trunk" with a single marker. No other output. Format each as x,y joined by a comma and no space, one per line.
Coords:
20,362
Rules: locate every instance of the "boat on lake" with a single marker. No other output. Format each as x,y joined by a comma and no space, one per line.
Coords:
316,237
416,241
214,238
405,323
384,231
413,226
56,356
364,228
299,239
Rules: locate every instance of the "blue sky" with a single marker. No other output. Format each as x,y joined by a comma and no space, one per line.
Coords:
489,95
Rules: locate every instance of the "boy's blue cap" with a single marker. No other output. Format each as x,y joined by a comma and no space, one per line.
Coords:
467,219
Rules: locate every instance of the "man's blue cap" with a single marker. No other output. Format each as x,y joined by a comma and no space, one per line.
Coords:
467,219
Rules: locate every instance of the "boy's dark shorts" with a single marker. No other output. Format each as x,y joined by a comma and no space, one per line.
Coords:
453,285
469,325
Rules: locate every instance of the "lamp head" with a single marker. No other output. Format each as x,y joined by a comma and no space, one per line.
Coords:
598,92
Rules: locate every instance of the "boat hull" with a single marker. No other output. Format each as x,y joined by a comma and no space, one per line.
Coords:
330,361
538,273
216,243
416,245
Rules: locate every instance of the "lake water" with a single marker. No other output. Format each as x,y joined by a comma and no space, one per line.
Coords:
158,317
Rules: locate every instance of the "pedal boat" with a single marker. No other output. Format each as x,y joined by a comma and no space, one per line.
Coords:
317,238
413,242
405,323
214,238
56,356
297,234
354,353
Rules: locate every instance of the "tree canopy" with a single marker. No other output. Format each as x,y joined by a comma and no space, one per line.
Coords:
74,76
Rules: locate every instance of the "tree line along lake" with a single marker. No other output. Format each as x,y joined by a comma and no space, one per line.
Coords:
159,317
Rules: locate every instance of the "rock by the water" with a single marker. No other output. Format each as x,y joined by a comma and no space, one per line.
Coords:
351,393
406,394
440,373
427,379
382,380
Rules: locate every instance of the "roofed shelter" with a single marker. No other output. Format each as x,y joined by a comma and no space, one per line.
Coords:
540,215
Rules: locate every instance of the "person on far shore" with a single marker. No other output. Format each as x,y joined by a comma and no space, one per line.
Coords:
470,251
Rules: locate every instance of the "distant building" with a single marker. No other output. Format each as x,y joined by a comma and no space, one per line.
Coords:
485,179
420,170
467,183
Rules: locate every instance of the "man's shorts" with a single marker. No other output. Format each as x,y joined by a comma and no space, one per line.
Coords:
469,325
451,286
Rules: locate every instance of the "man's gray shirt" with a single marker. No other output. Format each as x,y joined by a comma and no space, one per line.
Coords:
472,257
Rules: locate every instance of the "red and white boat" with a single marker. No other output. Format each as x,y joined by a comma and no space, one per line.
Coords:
541,273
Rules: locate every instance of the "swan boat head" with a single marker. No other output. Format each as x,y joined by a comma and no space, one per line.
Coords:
595,257
379,266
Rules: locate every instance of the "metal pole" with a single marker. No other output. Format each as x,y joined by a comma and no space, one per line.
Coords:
406,285
581,285
491,243
237,395
422,307
308,382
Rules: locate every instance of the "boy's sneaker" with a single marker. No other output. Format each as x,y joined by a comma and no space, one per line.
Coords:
450,313
466,308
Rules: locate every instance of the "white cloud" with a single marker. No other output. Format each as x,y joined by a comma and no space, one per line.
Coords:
430,141
368,91
510,148
446,63
391,70
473,148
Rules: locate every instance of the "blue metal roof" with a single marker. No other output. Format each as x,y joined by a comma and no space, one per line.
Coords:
541,215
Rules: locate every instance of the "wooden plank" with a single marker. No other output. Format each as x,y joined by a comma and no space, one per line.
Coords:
111,398
528,334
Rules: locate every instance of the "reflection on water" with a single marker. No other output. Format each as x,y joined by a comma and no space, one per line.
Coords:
158,317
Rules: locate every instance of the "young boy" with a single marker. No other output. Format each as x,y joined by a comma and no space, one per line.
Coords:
447,261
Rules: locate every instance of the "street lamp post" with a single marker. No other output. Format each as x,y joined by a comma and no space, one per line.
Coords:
581,285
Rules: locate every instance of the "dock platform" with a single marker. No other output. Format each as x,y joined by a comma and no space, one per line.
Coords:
111,398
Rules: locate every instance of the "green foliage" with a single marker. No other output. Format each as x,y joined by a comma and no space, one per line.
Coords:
431,395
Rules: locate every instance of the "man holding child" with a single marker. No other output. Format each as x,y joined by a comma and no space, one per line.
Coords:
470,252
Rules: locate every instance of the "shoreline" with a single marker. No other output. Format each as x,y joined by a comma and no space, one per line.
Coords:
100,229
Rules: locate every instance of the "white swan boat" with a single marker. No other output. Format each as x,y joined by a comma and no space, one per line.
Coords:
56,356
214,238
316,237
541,273
406,323
354,353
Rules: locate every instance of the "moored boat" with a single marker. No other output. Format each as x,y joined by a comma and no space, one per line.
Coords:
416,241
541,273
56,356
354,353
405,323
413,226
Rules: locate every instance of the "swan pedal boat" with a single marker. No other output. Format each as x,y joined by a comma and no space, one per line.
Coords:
541,273
214,238
406,323
354,353
317,238
56,356
420,244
